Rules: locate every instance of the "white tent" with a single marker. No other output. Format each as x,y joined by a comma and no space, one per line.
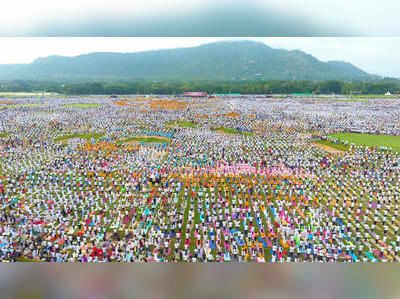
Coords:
388,93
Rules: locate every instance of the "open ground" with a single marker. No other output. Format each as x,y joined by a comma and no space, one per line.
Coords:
158,179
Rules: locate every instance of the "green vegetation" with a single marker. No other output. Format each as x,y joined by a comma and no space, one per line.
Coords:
370,139
82,136
353,100
344,100
184,123
177,70
82,105
247,60
24,259
374,96
148,139
231,131
11,94
370,89
4,134
20,105
338,146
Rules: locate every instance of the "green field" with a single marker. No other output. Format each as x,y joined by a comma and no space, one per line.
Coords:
82,105
147,139
231,131
8,94
376,96
183,123
23,259
20,105
83,136
351,100
370,139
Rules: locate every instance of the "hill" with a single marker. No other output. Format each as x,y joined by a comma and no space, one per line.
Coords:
224,61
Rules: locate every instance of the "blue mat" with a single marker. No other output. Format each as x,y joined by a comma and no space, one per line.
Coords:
212,244
263,242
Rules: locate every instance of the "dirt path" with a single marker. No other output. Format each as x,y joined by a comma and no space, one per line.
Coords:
328,149
223,132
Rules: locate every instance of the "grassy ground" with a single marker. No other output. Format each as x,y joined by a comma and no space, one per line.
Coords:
371,96
4,134
184,123
26,260
231,131
82,105
148,139
344,100
26,94
83,136
21,105
351,100
370,139
341,147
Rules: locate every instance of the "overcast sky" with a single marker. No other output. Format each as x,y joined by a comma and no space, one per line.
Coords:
376,55
200,18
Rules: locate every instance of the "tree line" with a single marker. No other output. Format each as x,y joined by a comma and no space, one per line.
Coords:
244,87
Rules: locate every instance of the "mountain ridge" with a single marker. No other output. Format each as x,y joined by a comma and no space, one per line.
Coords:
224,61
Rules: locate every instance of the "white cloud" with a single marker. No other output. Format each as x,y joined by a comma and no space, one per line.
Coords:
19,16
49,17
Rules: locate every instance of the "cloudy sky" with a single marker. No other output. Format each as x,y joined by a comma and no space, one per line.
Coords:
200,18
377,55
363,32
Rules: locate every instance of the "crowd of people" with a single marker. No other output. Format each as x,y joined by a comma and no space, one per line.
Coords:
83,184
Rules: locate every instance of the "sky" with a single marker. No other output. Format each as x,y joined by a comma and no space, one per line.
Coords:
375,55
200,18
